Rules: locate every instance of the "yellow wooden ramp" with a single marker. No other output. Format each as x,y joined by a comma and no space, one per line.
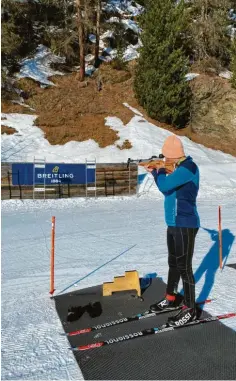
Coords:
130,281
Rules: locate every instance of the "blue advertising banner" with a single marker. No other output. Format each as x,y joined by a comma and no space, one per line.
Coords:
22,174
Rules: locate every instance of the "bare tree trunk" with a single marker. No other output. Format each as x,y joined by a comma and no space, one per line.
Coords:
204,23
65,13
81,39
96,54
86,19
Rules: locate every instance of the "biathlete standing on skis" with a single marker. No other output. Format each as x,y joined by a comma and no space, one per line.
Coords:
180,189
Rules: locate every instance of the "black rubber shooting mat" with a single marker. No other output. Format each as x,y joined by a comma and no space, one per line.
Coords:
201,352
233,265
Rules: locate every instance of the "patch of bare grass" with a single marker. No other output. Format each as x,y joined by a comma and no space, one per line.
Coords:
125,145
7,130
77,111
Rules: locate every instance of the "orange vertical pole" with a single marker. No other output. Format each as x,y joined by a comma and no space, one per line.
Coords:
52,257
220,237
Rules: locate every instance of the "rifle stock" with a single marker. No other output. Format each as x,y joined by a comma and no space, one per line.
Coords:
154,162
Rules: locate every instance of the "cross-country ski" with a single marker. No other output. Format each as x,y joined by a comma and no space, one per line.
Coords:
151,331
144,315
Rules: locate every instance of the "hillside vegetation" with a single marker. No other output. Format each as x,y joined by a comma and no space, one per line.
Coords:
195,37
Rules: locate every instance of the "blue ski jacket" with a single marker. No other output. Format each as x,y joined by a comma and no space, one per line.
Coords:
180,189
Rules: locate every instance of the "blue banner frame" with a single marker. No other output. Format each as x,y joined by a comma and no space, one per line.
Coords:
54,174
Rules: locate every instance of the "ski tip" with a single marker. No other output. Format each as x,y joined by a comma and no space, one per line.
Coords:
79,332
225,316
88,346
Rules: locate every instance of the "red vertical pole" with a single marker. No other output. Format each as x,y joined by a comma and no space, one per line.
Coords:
220,237
52,257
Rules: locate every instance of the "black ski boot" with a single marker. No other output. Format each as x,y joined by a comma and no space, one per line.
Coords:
164,304
185,315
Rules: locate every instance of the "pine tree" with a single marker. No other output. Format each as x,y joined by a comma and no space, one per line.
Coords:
209,29
17,34
160,84
81,33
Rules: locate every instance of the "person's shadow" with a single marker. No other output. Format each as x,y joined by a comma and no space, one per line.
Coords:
210,262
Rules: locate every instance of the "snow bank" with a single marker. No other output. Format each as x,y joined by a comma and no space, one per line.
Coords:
38,67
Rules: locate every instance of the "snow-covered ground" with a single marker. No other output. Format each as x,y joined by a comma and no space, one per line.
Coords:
91,232
38,67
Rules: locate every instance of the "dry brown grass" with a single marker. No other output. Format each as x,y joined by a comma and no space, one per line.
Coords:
72,111
7,130
9,107
125,145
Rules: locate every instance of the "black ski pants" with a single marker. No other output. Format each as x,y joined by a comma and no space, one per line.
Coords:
180,242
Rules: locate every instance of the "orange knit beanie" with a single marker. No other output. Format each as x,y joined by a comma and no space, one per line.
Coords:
173,148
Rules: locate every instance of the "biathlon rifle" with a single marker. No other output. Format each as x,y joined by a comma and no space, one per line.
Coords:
153,162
